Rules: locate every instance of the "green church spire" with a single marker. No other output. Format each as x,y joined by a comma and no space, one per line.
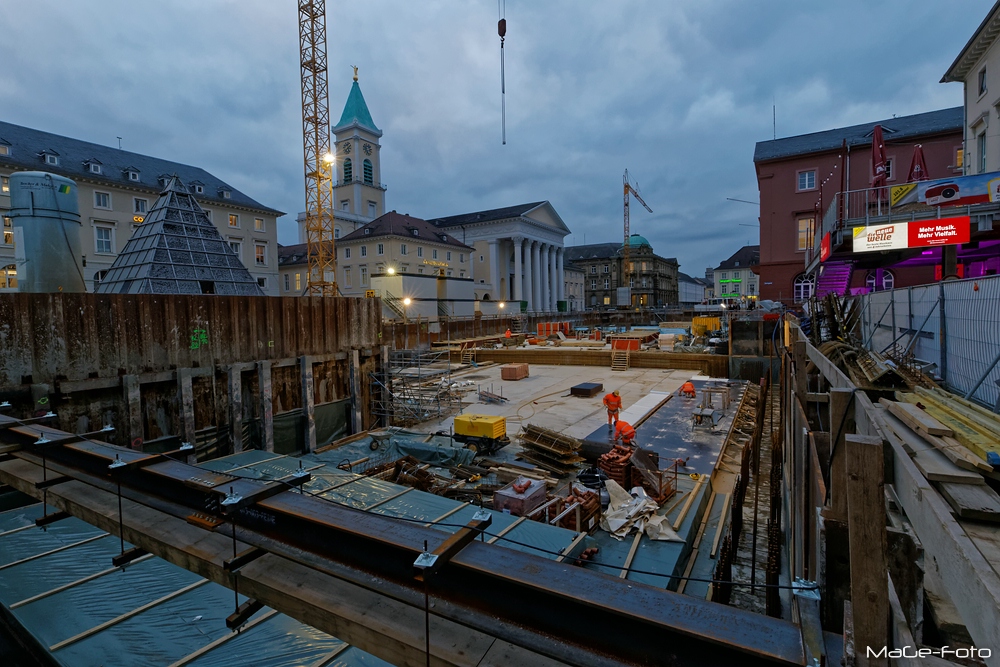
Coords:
356,110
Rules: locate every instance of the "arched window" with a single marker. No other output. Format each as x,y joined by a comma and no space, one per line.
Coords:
8,277
486,297
369,178
348,171
803,287
888,280
98,277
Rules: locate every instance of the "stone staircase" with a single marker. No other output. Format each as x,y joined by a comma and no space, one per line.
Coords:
835,278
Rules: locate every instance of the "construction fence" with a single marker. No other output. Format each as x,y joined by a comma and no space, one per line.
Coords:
950,328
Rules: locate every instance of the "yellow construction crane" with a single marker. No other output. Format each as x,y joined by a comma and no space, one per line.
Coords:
319,161
626,264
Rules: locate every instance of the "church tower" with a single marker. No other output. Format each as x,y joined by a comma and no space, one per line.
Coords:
358,195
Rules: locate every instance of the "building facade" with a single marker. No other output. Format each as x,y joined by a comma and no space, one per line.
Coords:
653,279
799,179
116,188
518,253
574,290
690,290
735,278
392,243
977,68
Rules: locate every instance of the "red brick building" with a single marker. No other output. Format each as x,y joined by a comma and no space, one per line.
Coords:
799,178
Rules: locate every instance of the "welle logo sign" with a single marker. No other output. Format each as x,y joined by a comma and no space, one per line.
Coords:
880,237
901,235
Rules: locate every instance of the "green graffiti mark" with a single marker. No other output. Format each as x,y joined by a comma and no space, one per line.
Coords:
199,337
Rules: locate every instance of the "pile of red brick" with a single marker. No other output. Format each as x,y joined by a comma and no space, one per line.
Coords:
514,371
618,465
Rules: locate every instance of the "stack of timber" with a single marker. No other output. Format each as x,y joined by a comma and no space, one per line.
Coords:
975,427
618,465
659,484
509,471
550,450
956,472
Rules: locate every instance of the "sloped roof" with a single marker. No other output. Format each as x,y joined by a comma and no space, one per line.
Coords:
576,253
26,145
486,216
903,128
683,277
398,224
748,255
177,250
356,111
980,42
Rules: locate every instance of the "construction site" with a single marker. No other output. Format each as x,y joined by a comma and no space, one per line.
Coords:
294,491
194,474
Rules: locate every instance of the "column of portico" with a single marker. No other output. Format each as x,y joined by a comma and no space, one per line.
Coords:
536,295
543,283
495,293
529,270
515,294
562,275
553,278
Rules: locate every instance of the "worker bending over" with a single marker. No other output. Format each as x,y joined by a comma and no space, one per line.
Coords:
625,433
613,402
687,389
507,334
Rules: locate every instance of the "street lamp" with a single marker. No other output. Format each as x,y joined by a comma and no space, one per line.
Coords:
391,271
406,328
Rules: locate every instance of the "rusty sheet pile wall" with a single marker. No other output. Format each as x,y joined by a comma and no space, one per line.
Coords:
208,369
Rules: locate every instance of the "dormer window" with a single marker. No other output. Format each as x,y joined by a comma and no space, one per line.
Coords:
94,167
131,174
416,232
163,179
367,230
4,147
225,193
50,157
197,187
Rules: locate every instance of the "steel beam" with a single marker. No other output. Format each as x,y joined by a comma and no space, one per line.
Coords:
570,614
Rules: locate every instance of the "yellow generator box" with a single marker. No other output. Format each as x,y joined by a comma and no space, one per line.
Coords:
481,426
702,325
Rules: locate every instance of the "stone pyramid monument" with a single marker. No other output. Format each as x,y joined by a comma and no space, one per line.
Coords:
177,250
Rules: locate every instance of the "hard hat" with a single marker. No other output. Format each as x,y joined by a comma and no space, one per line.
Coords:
615,392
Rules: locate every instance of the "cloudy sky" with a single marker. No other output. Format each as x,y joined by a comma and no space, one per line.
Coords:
677,91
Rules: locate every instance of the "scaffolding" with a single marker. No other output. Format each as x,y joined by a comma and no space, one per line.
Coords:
416,387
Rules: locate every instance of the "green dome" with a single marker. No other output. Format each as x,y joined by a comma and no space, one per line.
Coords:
635,240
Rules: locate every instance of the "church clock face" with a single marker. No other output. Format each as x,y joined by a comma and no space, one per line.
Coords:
367,149
347,147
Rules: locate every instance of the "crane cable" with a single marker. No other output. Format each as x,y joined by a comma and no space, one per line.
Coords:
502,31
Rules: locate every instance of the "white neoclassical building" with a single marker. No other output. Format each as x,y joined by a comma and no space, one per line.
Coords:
518,254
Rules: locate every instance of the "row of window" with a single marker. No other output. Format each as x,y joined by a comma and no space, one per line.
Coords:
403,250
345,205
102,200
104,243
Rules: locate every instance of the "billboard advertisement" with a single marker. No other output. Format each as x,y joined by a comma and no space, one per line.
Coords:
959,191
922,234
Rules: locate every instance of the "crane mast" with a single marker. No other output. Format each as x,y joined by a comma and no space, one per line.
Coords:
316,147
626,263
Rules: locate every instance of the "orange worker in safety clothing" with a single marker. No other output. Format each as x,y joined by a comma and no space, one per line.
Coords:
624,432
507,334
687,389
613,402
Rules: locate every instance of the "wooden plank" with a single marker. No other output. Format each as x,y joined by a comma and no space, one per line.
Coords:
211,646
957,454
840,425
308,402
974,584
971,501
688,503
631,554
916,418
723,520
931,463
866,526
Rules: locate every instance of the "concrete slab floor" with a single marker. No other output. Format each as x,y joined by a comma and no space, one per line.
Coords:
543,398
